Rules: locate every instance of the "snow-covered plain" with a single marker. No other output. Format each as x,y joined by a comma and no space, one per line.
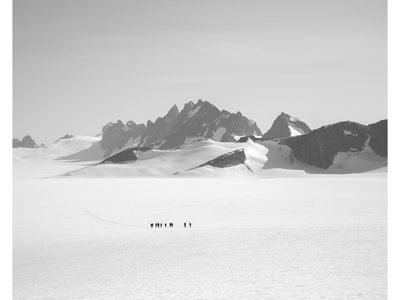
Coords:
298,236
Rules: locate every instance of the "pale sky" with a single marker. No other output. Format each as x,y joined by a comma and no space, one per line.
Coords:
79,64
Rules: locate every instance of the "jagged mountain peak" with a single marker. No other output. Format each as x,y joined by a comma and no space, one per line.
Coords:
287,117
173,111
130,123
285,126
197,120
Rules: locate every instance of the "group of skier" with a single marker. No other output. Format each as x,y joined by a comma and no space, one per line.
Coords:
158,225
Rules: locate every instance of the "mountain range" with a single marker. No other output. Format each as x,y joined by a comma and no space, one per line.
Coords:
204,121
196,121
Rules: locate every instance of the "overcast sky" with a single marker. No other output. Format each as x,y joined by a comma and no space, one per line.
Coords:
79,64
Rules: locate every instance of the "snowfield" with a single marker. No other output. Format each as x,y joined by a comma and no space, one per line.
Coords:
287,235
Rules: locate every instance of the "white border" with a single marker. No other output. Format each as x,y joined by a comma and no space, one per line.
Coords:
394,146
6,150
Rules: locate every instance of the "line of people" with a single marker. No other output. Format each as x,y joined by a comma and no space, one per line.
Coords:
158,225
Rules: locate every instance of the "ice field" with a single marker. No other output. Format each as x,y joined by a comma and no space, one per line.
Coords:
299,236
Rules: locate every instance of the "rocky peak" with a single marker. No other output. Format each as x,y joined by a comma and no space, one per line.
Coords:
285,126
173,111
149,124
26,142
195,121
130,124
320,146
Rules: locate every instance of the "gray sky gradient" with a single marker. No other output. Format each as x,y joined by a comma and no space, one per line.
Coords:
79,64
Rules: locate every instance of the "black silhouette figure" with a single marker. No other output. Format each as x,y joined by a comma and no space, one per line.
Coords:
190,224
157,225
184,224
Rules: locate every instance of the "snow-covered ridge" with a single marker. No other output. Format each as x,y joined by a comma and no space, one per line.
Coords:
210,158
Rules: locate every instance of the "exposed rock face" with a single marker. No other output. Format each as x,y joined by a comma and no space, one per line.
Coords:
26,142
244,139
204,120
162,127
123,156
65,137
127,155
116,135
226,160
16,143
379,137
319,147
286,126
196,121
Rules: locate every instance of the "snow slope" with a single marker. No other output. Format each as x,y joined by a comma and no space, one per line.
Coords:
79,157
263,159
42,162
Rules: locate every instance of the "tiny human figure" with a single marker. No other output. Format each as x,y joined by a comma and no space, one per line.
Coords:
184,224
151,225
190,224
171,224
165,224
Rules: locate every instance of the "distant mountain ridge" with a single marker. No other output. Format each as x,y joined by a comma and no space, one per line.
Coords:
319,147
26,142
196,121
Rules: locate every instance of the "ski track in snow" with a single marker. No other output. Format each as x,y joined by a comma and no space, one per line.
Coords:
96,217
251,239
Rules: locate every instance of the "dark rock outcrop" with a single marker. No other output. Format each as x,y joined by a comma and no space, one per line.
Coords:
286,126
319,147
116,135
227,160
379,137
203,120
65,137
162,127
26,142
127,155
244,139
16,142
